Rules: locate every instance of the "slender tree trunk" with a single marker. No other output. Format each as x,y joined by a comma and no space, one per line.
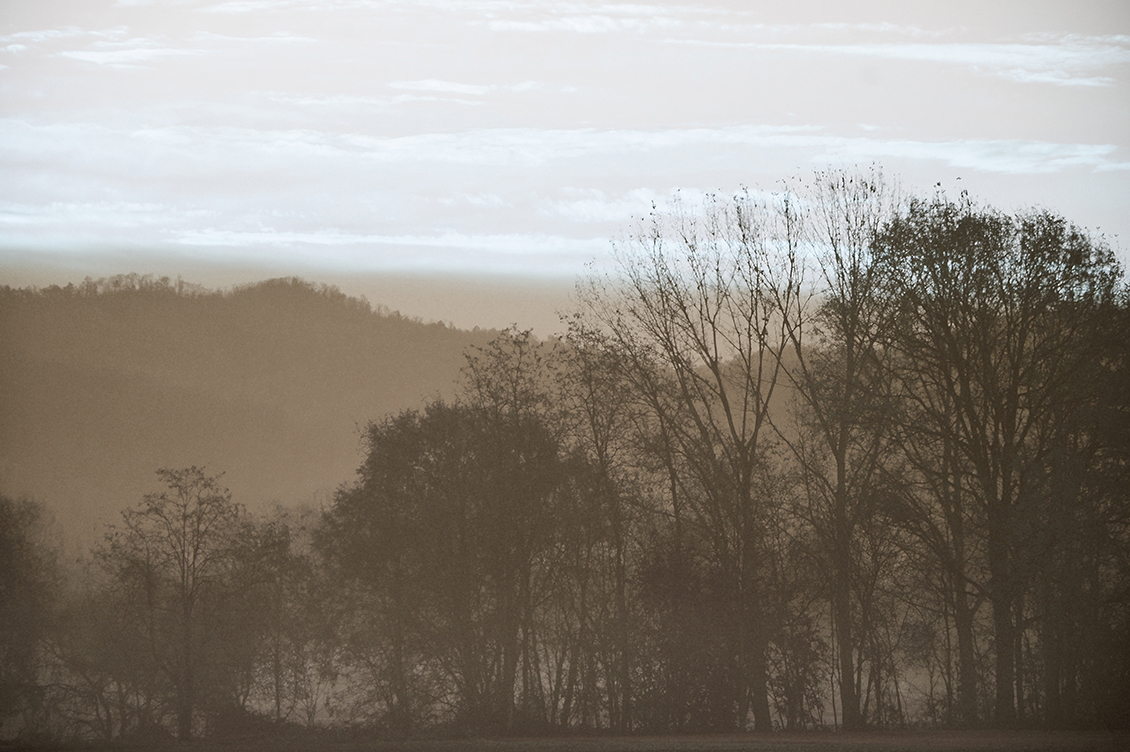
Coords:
963,615
841,592
759,677
756,642
1018,660
402,711
849,698
753,659
966,657
186,698
276,673
623,716
1004,631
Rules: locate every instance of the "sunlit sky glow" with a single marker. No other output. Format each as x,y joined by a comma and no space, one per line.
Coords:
343,137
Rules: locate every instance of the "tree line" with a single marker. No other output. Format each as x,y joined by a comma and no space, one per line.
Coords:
835,456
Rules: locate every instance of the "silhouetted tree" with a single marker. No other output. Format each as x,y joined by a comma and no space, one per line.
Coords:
292,645
448,529
693,310
843,402
999,324
29,583
175,560
601,413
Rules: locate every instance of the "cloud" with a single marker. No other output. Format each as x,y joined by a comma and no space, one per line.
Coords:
281,38
253,6
22,41
115,48
131,3
726,23
130,53
876,28
593,205
481,200
476,7
531,147
126,58
262,6
117,214
201,149
62,228
587,24
345,100
1068,61
598,17
499,243
1010,156
78,226
502,15
433,84
41,36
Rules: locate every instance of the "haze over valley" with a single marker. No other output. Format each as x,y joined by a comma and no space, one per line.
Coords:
270,383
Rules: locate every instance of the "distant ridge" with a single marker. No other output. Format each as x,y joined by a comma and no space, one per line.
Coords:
103,382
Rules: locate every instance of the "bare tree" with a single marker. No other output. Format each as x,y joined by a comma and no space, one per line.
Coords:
174,557
844,401
691,307
602,414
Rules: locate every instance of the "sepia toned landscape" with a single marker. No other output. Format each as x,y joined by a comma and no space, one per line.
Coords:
558,375
801,464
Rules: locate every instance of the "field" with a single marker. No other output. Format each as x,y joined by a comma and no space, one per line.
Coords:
884,741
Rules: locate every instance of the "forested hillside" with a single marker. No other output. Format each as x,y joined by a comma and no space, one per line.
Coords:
104,381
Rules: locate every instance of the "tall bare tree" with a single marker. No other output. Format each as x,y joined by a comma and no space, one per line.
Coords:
691,307
174,558
844,399
602,414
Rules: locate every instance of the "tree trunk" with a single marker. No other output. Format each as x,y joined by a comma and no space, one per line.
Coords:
966,657
186,697
759,674
1004,635
841,591
849,698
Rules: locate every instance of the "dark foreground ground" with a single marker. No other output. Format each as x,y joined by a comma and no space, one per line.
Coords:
884,741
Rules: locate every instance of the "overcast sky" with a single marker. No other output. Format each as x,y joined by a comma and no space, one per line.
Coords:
239,139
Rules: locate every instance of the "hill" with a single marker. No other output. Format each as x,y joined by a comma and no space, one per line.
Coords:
104,382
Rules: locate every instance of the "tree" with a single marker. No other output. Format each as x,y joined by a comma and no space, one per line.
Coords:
175,563
600,412
291,644
449,532
844,405
999,328
694,313
29,582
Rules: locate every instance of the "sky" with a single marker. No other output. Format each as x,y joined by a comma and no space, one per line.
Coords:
466,160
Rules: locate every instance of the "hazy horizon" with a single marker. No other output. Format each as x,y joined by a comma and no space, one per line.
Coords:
466,301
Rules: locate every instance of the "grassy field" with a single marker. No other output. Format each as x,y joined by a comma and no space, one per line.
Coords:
886,741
